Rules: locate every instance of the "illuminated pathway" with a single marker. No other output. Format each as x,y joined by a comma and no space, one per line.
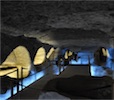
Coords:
49,73
26,82
35,83
34,90
52,72
31,79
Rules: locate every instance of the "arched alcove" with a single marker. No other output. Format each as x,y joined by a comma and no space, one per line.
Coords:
40,56
50,54
19,58
100,56
68,54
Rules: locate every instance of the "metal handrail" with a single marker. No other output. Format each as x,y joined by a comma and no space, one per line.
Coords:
11,72
11,82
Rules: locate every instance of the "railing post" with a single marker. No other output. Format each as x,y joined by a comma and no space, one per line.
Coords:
17,80
89,64
59,68
88,60
21,78
11,88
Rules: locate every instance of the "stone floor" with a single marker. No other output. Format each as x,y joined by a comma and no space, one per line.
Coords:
34,90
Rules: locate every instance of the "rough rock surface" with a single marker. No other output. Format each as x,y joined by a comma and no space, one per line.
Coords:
74,24
10,42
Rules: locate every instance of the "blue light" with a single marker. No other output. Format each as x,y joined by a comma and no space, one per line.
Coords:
104,70
111,53
56,69
29,80
26,82
6,95
83,58
40,74
110,64
75,62
97,71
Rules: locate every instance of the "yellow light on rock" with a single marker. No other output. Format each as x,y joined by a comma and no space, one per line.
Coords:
66,55
18,58
50,54
70,53
40,56
104,52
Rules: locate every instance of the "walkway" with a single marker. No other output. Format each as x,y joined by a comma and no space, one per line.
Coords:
34,90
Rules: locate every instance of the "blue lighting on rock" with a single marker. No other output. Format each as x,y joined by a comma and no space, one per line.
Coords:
107,69
82,58
111,53
97,71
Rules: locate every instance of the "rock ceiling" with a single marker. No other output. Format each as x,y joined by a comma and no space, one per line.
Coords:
73,24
